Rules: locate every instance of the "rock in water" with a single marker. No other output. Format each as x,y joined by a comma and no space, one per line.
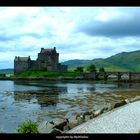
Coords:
62,125
56,131
45,127
73,122
137,98
98,112
118,104
87,115
79,118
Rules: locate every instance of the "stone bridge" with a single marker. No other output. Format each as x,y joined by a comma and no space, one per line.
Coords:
120,75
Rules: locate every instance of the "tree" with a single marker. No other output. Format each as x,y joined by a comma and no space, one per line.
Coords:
101,69
91,68
2,75
79,69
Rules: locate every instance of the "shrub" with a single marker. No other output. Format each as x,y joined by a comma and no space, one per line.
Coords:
91,68
2,75
101,69
28,126
79,69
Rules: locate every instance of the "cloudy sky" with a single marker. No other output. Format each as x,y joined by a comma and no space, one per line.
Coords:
76,32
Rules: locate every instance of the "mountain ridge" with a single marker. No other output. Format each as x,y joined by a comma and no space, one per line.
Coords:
125,61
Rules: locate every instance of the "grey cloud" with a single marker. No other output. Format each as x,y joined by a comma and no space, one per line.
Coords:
6,38
106,49
122,26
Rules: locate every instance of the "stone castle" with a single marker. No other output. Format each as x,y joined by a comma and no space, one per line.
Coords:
48,59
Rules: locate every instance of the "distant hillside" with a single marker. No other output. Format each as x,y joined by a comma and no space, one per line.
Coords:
7,71
76,62
125,61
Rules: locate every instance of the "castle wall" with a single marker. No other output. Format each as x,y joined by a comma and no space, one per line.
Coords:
63,68
34,64
20,66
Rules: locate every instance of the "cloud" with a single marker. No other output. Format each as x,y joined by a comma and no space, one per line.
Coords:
126,23
76,32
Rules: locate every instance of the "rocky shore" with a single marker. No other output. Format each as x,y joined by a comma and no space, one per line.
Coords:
68,124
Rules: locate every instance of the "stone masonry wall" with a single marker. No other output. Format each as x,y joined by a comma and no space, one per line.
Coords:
21,66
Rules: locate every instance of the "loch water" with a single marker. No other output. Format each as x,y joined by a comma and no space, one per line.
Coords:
56,100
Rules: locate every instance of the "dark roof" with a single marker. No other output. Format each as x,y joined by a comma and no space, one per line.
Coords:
22,58
46,50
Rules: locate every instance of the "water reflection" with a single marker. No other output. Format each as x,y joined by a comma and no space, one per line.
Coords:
128,85
43,97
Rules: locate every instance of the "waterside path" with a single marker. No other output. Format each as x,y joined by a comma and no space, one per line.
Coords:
124,119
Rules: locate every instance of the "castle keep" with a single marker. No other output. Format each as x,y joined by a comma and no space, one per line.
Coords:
48,59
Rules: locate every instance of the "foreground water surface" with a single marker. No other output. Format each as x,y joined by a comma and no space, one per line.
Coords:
47,101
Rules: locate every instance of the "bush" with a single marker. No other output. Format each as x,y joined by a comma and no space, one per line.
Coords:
79,69
2,75
101,69
91,68
28,126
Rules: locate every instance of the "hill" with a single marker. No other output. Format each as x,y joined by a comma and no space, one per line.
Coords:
124,61
76,62
7,71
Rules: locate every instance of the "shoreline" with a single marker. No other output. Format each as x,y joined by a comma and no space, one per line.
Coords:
66,79
76,122
124,119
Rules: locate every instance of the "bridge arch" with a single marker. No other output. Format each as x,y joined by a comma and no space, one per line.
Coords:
116,75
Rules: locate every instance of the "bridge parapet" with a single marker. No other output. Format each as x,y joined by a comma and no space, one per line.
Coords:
130,75
135,76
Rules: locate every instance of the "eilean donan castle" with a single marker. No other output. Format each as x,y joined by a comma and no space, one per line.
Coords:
48,59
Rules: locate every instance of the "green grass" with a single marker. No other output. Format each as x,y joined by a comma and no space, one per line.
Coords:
46,74
115,69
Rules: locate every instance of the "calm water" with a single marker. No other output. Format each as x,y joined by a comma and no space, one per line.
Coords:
49,101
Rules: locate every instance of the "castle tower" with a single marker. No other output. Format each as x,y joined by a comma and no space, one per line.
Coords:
48,59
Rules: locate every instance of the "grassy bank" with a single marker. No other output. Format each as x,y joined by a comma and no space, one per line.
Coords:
46,74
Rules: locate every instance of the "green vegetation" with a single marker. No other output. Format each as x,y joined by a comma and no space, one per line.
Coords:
91,68
101,69
28,126
79,69
2,75
46,74
76,62
115,69
7,71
